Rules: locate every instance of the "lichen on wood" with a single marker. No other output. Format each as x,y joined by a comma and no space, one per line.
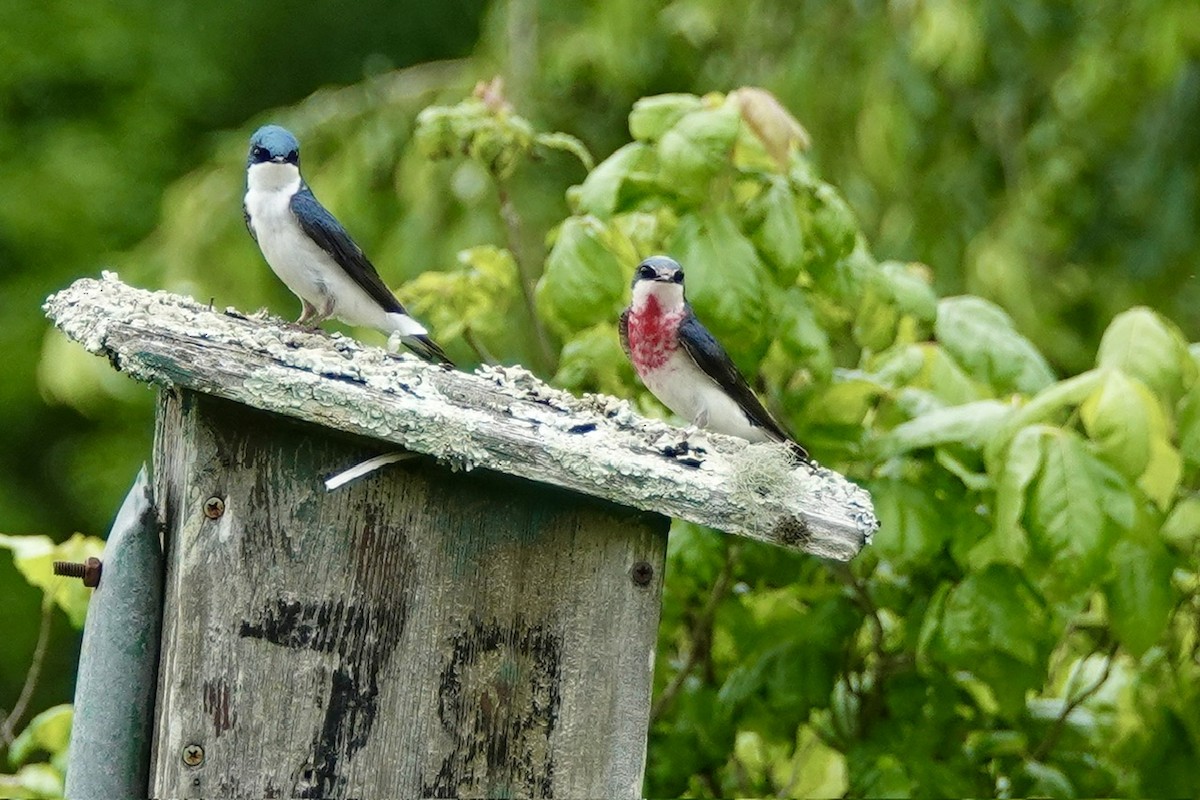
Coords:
499,418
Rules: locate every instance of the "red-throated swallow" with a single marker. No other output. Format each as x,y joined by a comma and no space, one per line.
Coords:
684,366
313,254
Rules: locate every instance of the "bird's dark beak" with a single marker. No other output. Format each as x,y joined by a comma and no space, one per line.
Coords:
278,159
665,277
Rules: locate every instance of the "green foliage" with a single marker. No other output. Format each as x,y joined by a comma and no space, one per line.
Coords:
1025,623
34,556
1030,525
48,733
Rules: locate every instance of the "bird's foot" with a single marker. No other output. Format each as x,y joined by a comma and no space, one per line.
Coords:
311,316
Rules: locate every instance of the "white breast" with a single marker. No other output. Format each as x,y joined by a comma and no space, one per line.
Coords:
307,270
685,389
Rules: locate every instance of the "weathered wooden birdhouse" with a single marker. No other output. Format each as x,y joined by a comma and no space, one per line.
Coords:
478,619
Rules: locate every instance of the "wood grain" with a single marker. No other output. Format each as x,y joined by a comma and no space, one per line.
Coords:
502,419
419,633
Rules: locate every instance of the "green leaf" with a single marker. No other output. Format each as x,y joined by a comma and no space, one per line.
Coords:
587,275
877,320
886,777
801,334
696,149
1047,781
996,627
1045,405
779,236
497,140
943,376
651,117
1182,526
982,338
975,481
832,235
971,424
33,781
817,769
726,283
846,402
474,297
908,287
49,731
994,609
34,556
1163,473
1068,514
1188,418
1009,543
1120,416
911,527
568,144
931,625
601,191
592,361
1140,595
1143,344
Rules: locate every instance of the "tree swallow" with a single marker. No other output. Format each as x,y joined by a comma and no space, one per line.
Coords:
684,366
313,254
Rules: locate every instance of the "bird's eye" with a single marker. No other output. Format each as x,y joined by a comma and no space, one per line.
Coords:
259,154
678,276
293,156
646,271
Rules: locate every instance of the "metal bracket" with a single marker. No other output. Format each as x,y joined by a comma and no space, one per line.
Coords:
118,665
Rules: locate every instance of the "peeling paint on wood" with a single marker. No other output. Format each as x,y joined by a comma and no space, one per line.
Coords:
500,419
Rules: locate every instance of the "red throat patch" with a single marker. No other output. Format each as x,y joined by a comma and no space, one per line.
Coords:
653,335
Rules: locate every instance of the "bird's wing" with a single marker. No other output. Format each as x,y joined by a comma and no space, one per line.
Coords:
623,329
714,362
329,234
249,227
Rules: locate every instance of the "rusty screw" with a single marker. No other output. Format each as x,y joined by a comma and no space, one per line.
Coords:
193,755
642,573
89,570
214,507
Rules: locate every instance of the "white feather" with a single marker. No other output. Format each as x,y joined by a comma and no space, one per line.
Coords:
306,269
366,468
685,389
682,386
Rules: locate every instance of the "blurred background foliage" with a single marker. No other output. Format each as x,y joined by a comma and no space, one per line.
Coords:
1027,620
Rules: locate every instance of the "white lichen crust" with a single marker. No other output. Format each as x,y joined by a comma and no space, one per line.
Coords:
500,418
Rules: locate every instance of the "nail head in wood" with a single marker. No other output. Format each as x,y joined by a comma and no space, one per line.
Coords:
193,755
214,507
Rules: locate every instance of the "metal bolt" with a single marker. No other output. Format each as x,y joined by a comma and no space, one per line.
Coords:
193,755
214,507
88,570
642,573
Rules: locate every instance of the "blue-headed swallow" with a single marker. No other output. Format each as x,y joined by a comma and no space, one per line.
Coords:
684,366
313,254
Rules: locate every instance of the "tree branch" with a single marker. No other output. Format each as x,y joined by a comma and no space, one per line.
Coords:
485,356
9,724
1047,744
516,245
701,637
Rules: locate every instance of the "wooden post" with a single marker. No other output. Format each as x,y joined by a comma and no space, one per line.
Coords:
419,633
478,620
